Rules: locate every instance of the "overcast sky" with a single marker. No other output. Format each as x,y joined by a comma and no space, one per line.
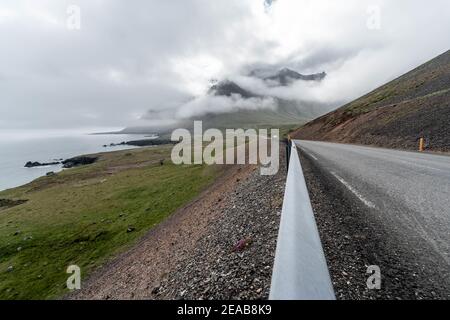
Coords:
129,57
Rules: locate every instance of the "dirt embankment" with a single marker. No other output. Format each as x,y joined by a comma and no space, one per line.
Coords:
396,115
221,246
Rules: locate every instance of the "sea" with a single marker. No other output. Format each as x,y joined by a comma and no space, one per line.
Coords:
18,147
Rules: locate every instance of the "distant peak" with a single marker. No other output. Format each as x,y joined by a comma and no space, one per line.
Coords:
228,88
286,76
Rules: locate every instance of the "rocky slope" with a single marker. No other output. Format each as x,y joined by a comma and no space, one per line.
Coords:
220,246
234,259
228,88
395,115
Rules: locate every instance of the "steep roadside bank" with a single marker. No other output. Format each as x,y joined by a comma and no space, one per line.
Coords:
396,115
87,215
221,246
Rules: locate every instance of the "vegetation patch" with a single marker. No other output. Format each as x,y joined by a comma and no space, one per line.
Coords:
8,203
86,215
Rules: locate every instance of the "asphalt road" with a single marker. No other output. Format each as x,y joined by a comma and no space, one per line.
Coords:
407,194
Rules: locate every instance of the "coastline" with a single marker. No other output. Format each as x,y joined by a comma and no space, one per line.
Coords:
87,215
49,148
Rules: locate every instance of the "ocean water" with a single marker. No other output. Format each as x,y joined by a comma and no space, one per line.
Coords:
16,148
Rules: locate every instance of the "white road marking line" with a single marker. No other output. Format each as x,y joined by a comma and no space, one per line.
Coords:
419,165
312,156
354,191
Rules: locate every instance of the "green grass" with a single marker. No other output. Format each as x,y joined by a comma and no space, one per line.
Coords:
81,216
366,104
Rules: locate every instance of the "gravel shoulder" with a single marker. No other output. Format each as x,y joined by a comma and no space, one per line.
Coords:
220,246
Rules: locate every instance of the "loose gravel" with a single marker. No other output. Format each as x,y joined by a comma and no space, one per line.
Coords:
234,259
221,246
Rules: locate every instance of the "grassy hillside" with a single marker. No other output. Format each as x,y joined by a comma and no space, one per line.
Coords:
395,115
287,112
285,115
85,215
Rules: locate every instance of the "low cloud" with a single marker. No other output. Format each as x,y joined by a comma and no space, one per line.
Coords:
129,58
223,104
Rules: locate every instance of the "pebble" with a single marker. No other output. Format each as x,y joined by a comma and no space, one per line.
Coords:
236,255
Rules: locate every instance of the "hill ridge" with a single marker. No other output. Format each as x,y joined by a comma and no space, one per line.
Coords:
397,114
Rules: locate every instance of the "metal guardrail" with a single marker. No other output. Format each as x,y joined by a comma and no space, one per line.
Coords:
300,271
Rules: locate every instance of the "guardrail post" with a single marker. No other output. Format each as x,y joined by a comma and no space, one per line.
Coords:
288,151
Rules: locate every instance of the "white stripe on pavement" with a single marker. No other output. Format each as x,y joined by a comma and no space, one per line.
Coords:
354,191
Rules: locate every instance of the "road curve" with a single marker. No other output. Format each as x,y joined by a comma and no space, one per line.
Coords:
409,192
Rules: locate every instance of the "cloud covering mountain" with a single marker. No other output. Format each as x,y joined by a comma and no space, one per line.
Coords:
132,57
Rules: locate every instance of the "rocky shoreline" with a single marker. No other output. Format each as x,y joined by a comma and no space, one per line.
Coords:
33,164
69,163
84,160
141,143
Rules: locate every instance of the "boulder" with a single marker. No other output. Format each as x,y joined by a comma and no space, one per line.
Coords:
78,161
32,164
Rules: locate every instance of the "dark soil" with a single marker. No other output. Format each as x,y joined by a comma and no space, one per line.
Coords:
7,203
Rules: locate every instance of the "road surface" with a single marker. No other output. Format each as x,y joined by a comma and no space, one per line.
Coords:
406,193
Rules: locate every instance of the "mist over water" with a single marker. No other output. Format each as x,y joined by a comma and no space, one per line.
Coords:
16,148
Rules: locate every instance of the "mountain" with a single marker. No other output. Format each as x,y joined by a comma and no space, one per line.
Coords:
286,112
286,76
395,115
228,88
